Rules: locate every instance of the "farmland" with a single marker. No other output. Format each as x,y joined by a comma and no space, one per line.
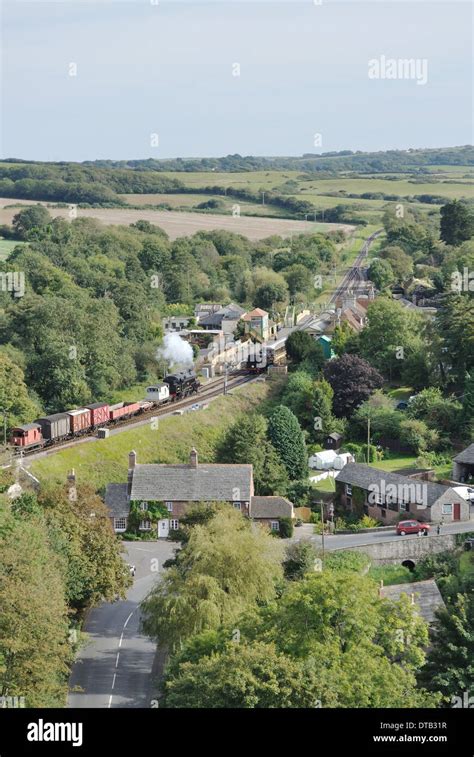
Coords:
185,224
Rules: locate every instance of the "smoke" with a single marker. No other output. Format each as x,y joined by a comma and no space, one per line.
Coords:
176,351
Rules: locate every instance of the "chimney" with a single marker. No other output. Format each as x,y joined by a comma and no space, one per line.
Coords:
193,458
132,461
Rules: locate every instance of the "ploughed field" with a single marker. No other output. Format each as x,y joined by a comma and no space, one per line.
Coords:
178,224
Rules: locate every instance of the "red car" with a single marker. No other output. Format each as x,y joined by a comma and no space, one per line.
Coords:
412,527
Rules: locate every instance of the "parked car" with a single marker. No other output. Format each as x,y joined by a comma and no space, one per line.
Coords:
412,527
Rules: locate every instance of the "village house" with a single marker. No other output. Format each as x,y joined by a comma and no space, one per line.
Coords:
387,497
463,465
179,486
224,319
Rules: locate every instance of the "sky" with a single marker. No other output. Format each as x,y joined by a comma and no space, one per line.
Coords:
128,79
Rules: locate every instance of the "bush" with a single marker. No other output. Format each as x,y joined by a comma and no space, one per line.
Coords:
286,528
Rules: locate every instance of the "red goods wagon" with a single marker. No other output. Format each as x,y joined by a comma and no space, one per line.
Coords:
99,413
80,420
123,410
27,436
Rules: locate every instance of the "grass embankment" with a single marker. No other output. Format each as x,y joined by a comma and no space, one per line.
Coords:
102,461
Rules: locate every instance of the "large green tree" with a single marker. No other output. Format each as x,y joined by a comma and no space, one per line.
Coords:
287,437
457,223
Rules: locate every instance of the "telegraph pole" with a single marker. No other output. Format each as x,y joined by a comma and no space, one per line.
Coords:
322,523
2,410
368,440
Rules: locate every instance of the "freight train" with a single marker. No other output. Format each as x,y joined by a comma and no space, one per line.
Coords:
51,429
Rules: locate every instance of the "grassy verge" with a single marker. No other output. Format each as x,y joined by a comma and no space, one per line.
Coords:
391,574
105,460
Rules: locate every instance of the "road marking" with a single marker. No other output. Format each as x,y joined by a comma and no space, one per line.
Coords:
110,700
125,624
113,682
121,639
116,661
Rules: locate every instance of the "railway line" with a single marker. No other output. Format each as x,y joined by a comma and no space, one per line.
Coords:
353,271
209,391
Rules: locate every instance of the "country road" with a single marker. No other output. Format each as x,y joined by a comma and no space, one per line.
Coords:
339,541
114,668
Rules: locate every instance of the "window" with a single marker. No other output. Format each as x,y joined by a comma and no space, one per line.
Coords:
143,506
120,524
275,525
237,505
145,525
349,489
447,509
169,505
403,507
174,525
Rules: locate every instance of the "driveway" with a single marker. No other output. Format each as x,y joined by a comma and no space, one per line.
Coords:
114,668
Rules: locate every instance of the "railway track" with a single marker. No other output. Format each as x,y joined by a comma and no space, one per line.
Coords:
353,271
210,391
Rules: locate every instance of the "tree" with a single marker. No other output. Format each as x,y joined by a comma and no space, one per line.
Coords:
455,326
246,443
271,295
457,223
29,219
417,436
287,437
381,273
80,534
391,335
353,380
242,676
299,560
450,665
14,397
323,420
34,649
298,278
299,345
225,567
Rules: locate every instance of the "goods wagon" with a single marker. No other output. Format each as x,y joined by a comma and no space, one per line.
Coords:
54,426
123,410
158,393
79,420
27,436
99,413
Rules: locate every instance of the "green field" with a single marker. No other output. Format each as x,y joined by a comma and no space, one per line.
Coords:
6,246
448,182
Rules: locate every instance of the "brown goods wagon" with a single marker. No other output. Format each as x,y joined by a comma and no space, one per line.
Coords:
123,410
99,413
80,420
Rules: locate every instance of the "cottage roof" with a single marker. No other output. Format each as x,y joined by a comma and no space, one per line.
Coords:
466,456
117,501
184,483
363,476
427,596
256,313
270,507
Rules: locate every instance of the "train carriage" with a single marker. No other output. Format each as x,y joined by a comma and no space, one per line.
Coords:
79,420
123,410
99,413
27,436
54,427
